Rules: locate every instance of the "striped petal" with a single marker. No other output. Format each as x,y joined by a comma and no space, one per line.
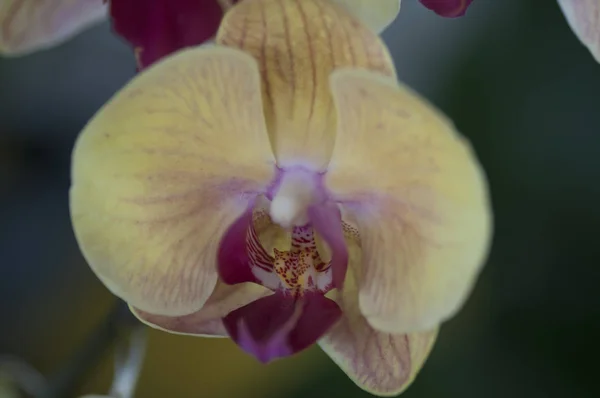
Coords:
207,321
376,14
298,43
163,169
584,18
381,363
30,25
419,198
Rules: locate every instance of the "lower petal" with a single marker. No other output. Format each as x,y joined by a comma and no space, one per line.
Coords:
206,322
281,325
381,363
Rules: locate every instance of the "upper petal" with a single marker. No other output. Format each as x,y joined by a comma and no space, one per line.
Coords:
381,363
30,25
298,43
376,14
163,169
419,198
584,18
162,27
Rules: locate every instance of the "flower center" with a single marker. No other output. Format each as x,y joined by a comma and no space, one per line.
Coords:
298,313
296,191
296,271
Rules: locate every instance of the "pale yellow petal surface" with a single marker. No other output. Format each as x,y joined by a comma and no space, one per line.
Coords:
376,14
298,43
383,364
419,198
584,18
163,169
29,25
206,321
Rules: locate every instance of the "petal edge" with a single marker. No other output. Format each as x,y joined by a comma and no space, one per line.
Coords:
162,169
419,197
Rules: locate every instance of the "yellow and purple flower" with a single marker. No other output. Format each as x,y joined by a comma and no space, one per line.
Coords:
282,189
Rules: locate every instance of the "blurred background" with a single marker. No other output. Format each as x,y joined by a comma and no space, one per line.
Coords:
517,83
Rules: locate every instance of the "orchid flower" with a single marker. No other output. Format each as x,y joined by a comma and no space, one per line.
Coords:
584,18
281,188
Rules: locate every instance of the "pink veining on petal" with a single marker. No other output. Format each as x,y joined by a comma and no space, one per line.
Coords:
326,219
448,8
280,325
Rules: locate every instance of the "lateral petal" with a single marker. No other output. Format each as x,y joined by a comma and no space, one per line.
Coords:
163,169
419,197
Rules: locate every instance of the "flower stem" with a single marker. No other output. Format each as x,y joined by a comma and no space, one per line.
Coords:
67,380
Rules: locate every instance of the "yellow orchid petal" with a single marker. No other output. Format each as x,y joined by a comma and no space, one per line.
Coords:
376,14
419,198
381,363
30,25
162,171
584,18
298,43
207,322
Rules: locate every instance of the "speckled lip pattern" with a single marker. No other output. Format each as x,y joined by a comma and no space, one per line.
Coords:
298,313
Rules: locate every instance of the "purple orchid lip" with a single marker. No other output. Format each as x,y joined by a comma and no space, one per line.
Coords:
298,313
233,256
280,325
